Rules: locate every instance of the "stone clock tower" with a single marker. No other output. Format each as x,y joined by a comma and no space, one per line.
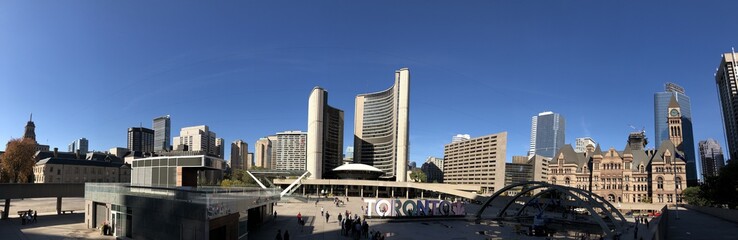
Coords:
675,123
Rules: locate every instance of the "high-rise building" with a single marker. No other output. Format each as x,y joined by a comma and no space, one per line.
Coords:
162,133
582,143
273,154
727,86
460,137
220,147
290,150
79,144
263,153
197,138
547,134
478,161
325,135
348,156
433,169
381,128
240,155
661,102
141,139
711,155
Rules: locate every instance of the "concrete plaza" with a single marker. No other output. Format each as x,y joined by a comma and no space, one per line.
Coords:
49,225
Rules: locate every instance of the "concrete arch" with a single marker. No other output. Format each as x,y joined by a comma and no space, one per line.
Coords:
593,201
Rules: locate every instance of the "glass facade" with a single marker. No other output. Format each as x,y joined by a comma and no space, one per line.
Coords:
661,127
549,133
162,133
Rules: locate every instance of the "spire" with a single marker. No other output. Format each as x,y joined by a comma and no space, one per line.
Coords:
673,103
31,119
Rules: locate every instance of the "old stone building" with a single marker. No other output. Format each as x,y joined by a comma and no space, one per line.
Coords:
635,174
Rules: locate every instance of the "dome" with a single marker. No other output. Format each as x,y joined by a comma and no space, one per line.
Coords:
357,167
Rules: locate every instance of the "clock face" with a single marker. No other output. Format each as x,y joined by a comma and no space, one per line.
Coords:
674,112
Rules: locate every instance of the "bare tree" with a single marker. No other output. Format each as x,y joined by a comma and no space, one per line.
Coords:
17,161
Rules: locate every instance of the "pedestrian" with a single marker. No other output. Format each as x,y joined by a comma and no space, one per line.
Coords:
275,215
327,216
35,214
286,235
299,217
316,202
340,217
321,211
648,223
279,235
23,218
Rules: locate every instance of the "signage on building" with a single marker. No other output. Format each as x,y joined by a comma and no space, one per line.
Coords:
413,207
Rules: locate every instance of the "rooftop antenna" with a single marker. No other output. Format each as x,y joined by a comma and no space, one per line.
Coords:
31,117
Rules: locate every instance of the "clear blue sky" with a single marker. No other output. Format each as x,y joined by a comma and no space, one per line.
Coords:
94,68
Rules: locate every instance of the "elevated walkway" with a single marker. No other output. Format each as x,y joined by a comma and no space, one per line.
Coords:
10,191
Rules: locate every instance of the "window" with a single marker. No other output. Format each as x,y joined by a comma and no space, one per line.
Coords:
678,183
567,181
660,183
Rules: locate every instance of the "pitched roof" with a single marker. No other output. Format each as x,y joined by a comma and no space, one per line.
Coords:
673,102
80,162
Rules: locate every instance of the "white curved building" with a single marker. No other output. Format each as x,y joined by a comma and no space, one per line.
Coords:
325,136
381,128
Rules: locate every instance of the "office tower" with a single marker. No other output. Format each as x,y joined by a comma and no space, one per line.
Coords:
273,154
726,80
661,102
547,134
197,138
460,137
262,153
582,143
348,156
220,147
79,144
325,135
162,133
290,150
249,159
711,155
240,155
141,139
433,169
477,161
381,128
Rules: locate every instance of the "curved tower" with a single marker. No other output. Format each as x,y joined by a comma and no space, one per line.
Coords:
325,135
381,128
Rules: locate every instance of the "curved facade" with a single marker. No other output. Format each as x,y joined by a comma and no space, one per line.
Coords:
381,128
325,136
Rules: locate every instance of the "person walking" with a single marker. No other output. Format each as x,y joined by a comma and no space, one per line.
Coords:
339,218
299,217
327,216
35,214
321,211
279,235
286,235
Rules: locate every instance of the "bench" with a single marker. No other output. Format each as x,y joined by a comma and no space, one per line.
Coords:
65,211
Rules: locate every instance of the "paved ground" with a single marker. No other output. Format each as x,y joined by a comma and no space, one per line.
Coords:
695,225
49,225
317,228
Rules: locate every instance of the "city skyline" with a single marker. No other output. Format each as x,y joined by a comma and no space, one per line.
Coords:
278,75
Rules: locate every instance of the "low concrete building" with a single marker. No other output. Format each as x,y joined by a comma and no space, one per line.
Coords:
478,161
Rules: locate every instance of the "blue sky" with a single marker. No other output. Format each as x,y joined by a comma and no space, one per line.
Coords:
94,68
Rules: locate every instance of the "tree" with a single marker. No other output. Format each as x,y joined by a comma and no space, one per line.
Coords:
18,161
695,196
418,175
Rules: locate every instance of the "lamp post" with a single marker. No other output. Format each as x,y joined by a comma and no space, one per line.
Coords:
676,203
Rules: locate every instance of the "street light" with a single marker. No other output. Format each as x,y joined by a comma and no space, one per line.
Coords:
676,203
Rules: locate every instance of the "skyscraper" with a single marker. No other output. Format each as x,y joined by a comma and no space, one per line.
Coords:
290,150
325,135
547,134
197,138
240,155
711,155
661,102
727,82
79,144
582,143
220,147
263,153
381,128
162,133
141,139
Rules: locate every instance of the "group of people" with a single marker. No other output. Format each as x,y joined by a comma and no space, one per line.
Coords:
353,227
27,217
